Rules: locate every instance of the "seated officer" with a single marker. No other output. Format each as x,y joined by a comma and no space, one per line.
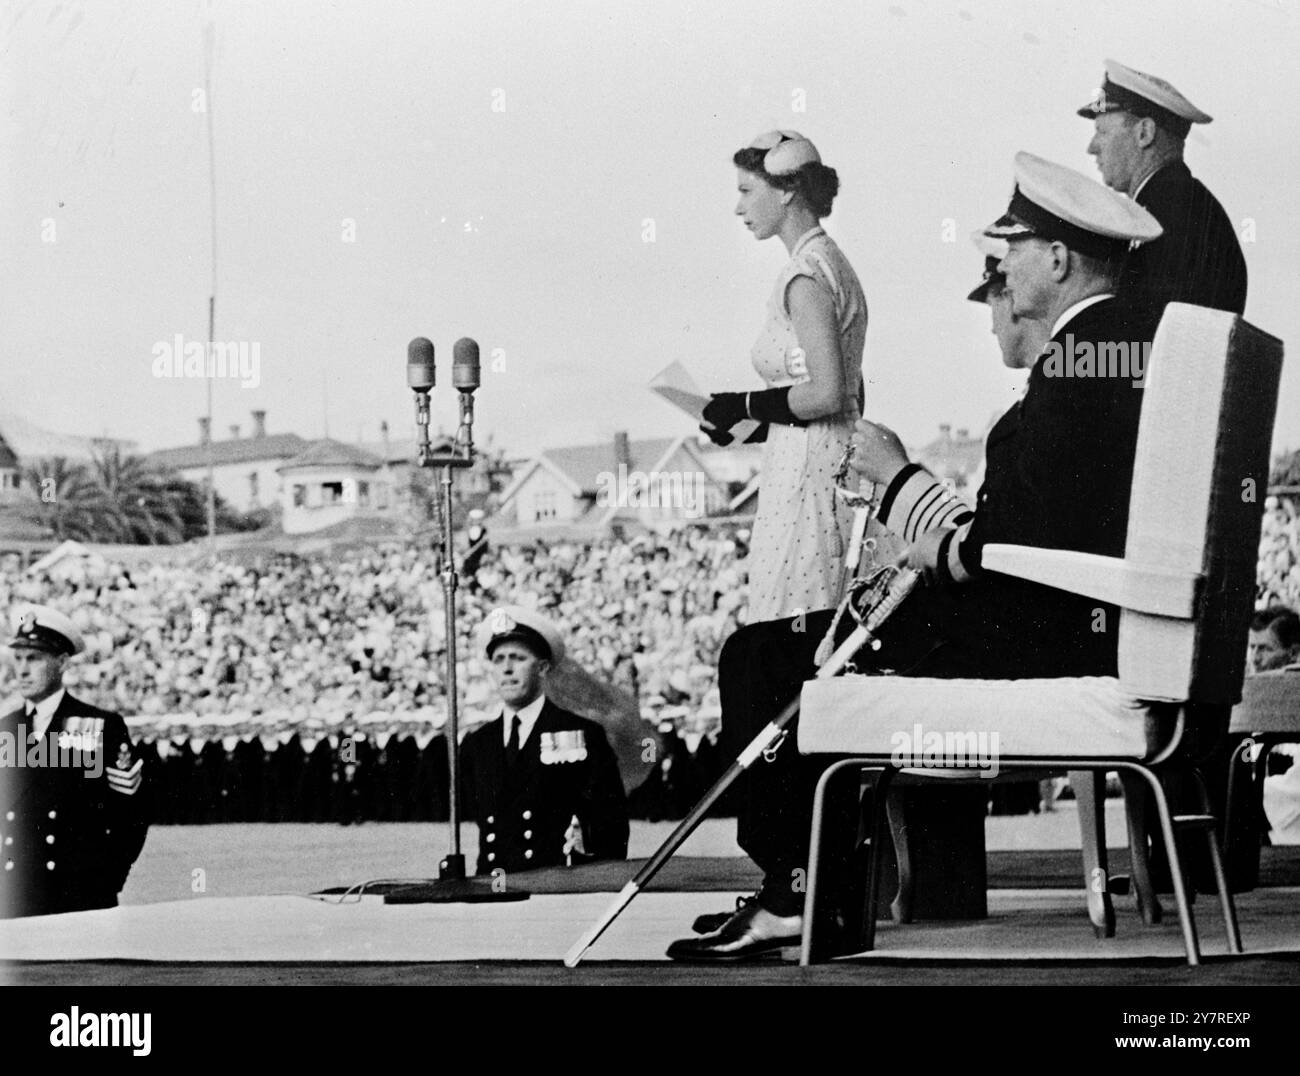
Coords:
542,783
72,817
1058,467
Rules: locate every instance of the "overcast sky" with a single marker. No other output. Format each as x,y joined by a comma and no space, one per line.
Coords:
555,180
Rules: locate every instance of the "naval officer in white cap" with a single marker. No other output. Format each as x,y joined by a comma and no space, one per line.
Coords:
1058,469
72,813
1140,125
542,783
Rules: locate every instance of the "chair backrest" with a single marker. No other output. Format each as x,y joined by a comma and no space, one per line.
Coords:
1270,704
1200,477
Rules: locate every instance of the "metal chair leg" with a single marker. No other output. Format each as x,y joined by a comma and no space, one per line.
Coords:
1090,792
1240,757
1220,877
808,939
1185,919
904,901
879,830
1135,811
1260,772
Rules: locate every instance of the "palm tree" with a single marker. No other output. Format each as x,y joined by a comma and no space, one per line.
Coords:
146,499
65,498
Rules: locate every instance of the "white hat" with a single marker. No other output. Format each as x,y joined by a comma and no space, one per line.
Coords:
787,151
514,622
989,246
38,627
1055,202
1128,90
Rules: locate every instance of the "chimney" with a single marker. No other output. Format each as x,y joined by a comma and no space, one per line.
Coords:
205,430
622,450
963,434
234,431
945,431
259,423
383,436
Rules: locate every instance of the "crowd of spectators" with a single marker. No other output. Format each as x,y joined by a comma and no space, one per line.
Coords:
235,674
316,649
365,632
1278,579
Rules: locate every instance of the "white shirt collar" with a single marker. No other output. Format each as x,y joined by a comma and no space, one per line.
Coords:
45,712
527,719
1078,308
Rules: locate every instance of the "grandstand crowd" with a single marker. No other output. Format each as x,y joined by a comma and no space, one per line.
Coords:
310,689
1278,574
295,655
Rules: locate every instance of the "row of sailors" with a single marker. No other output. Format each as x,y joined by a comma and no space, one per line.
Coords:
381,767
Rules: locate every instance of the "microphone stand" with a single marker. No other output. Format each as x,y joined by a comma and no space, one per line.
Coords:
452,885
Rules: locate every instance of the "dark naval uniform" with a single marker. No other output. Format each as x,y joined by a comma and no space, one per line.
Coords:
68,839
565,768
1198,259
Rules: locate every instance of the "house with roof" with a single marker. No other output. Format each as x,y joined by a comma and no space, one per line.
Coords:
477,486
245,468
10,472
587,489
330,482
958,460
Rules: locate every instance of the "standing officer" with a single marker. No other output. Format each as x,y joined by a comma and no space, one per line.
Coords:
542,783
1141,123
72,813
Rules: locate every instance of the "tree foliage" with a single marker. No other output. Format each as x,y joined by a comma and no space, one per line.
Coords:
119,498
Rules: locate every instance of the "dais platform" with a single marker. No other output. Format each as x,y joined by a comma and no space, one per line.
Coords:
1022,925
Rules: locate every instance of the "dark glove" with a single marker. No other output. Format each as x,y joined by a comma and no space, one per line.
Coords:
773,405
759,435
723,411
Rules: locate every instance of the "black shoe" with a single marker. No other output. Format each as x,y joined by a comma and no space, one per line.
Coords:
740,939
707,924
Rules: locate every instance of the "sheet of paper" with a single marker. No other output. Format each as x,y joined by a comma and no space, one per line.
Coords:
675,384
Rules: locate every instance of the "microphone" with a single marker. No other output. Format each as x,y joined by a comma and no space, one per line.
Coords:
464,365
420,377
465,378
419,364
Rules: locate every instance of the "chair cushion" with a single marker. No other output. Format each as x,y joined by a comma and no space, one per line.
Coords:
1270,702
972,723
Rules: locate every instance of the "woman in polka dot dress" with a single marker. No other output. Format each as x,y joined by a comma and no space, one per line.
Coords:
809,354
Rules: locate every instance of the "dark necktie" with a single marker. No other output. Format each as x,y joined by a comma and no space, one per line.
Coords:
512,745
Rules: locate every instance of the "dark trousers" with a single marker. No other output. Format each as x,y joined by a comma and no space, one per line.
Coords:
762,668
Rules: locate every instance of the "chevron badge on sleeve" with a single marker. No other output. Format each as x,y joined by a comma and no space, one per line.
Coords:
125,777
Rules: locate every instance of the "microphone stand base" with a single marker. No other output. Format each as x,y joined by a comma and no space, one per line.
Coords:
452,887
454,891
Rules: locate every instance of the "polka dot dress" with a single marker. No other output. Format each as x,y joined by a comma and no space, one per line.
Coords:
801,531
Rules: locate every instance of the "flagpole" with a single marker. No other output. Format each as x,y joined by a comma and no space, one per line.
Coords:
209,43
